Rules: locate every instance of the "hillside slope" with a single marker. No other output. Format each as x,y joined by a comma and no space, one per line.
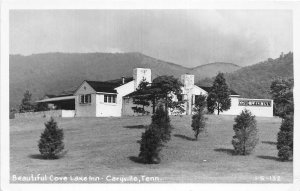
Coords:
54,72
254,81
209,70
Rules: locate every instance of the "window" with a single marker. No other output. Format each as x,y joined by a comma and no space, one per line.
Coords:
81,98
85,99
179,97
110,98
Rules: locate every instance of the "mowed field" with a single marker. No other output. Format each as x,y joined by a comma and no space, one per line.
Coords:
108,147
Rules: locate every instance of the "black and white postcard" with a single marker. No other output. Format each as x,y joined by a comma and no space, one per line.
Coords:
130,95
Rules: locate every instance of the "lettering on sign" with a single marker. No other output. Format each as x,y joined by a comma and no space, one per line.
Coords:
261,103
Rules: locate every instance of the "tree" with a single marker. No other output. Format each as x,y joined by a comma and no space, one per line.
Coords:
51,140
198,123
285,138
140,100
282,93
26,105
218,98
200,103
12,113
198,119
161,120
161,91
245,138
41,106
153,139
150,146
165,87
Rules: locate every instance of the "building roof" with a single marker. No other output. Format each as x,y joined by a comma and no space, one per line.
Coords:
108,86
119,80
132,94
49,96
58,98
208,89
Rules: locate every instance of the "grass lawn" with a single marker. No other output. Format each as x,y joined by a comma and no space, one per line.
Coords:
101,147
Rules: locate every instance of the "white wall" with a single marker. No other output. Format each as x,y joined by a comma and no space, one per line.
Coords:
189,94
46,114
85,110
88,109
260,111
127,108
139,74
113,109
67,113
106,109
197,91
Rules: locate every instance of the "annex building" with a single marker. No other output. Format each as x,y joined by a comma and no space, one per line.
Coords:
113,98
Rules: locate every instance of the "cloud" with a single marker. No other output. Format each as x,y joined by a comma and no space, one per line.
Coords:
186,37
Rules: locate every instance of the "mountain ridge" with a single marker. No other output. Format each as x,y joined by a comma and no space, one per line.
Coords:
53,73
254,81
137,53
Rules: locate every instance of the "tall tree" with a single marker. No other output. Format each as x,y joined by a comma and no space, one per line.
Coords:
282,93
140,100
161,91
165,88
26,104
200,103
218,98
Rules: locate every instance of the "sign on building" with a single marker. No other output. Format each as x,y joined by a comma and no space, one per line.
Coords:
249,102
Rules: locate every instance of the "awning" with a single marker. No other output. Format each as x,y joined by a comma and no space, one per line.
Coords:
56,99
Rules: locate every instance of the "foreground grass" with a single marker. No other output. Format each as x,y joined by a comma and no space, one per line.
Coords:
108,146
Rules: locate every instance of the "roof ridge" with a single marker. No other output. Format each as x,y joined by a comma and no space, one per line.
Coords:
109,81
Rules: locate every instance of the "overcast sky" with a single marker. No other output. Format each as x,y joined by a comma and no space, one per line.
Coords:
186,37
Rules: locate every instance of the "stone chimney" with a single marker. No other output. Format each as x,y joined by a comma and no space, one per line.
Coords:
188,84
187,80
139,74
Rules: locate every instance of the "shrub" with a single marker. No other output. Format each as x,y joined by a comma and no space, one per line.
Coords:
245,138
26,104
198,119
41,106
12,113
156,134
151,145
161,121
198,123
285,139
51,141
282,93
160,116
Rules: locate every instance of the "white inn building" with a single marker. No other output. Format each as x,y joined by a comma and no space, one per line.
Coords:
113,98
